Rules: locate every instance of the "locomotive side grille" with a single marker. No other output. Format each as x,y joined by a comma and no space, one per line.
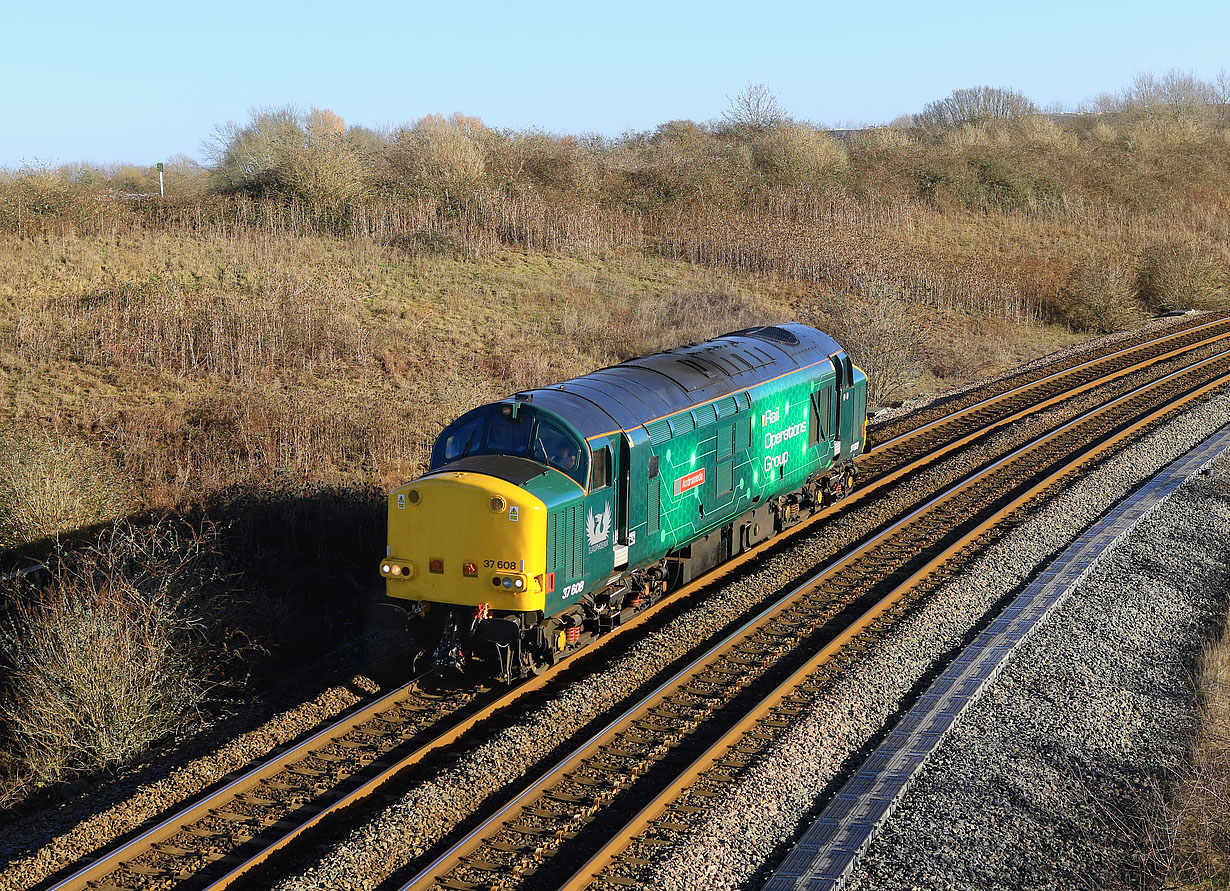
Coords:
743,434
682,423
724,481
576,528
726,407
704,415
725,441
659,432
654,507
565,542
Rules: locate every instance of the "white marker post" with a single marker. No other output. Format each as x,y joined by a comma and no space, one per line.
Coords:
161,192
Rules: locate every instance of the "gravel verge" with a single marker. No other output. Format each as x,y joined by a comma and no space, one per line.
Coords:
726,848
53,838
1049,782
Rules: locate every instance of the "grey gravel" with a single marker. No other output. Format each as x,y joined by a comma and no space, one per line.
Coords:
1049,781
727,848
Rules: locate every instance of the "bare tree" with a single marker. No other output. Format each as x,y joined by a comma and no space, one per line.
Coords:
753,109
974,105
883,334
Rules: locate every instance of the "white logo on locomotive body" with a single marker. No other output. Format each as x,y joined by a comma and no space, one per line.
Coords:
776,439
773,461
598,528
770,416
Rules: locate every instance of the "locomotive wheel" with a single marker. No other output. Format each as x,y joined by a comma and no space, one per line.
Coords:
849,482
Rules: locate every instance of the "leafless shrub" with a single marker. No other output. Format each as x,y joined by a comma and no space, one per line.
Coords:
283,151
753,109
975,105
438,155
51,484
794,155
98,656
1180,274
1098,297
884,336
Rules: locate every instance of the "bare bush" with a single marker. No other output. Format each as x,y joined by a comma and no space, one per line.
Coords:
975,105
753,109
883,335
98,655
438,155
1179,275
1098,297
285,151
51,484
794,155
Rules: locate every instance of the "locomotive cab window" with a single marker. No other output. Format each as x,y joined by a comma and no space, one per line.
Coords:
555,447
600,469
465,439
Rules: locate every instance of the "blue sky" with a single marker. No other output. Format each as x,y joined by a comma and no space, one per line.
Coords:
141,82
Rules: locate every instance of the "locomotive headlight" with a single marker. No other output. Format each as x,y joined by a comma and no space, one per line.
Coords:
508,583
393,569
518,584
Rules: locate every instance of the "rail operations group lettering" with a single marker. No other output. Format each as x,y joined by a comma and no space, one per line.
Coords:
774,438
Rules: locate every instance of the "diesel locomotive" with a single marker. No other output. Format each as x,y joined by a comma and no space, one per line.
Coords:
552,516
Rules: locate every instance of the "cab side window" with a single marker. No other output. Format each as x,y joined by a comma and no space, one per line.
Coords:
600,469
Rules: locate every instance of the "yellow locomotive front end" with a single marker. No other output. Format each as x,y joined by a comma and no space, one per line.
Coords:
466,539
469,551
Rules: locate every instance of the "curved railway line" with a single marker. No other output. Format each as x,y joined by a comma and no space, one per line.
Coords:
843,604
224,836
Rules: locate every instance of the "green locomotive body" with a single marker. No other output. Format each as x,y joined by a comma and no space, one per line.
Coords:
648,474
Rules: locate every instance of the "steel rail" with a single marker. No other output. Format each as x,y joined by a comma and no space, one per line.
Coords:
1059,375
653,812
512,811
1222,319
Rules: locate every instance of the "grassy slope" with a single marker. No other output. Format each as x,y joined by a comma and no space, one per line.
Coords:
199,364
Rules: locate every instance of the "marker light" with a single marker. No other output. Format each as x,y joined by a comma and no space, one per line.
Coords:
386,568
470,570
436,565
508,583
518,584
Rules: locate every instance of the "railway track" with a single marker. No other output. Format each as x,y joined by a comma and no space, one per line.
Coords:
857,596
226,835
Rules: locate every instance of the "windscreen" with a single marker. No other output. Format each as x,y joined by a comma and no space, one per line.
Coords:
494,431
